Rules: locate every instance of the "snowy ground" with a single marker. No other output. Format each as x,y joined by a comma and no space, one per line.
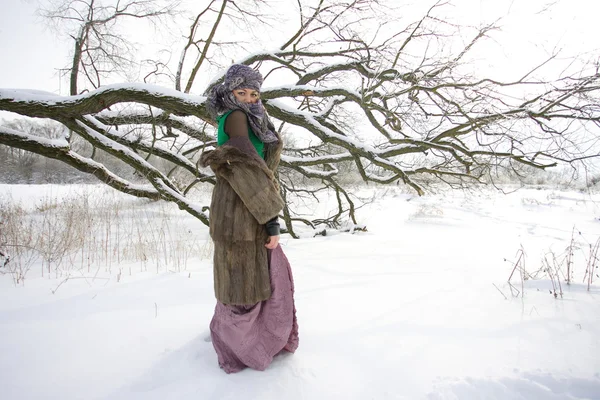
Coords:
418,307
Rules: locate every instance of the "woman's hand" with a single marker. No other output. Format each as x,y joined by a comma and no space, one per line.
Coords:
273,242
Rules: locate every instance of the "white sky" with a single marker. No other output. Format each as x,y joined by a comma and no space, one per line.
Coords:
32,55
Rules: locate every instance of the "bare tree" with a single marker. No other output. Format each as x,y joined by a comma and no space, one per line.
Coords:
397,103
98,48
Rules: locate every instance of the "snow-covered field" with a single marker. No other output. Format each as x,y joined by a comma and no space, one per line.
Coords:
418,307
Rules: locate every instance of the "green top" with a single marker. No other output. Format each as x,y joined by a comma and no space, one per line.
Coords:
222,137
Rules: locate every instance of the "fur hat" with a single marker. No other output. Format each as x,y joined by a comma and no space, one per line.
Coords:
240,76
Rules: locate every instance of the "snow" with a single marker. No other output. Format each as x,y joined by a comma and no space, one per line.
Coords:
406,310
115,133
181,199
311,88
28,95
126,184
114,146
59,143
315,159
318,173
310,118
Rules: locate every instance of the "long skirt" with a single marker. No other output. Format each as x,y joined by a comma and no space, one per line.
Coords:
250,336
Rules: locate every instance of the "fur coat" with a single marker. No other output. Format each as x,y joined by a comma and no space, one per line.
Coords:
245,197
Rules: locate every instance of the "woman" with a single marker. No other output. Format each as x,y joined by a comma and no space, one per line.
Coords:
255,317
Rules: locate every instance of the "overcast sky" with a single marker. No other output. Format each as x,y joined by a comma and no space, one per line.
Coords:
32,55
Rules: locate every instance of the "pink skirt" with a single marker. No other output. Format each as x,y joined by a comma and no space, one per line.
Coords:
250,336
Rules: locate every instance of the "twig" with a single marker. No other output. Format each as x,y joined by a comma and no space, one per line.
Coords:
591,264
511,289
521,254
520,264
536,311
6,259
506,298
570,256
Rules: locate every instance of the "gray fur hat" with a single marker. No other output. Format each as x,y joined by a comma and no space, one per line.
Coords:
240,76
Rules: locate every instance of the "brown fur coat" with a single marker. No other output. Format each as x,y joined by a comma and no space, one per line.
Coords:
244,198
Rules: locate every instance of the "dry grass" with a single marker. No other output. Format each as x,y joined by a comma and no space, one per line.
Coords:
559,268
87,234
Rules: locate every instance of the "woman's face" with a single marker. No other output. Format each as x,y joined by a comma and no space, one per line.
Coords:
246,95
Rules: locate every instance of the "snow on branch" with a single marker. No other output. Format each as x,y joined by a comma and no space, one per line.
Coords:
93,134
31,141
46,106
156,149
181,201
